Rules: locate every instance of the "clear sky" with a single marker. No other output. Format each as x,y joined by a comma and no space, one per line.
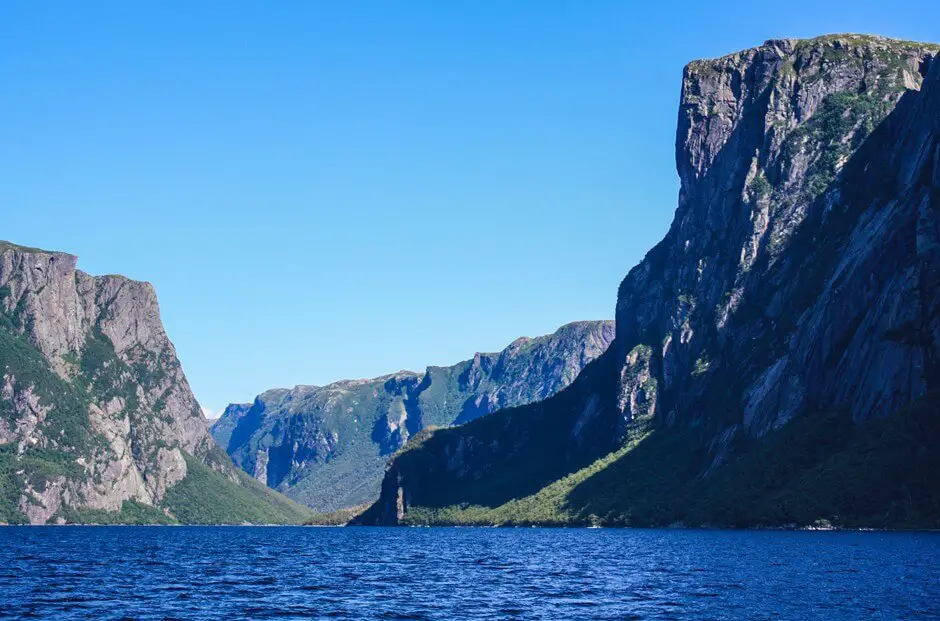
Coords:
332,190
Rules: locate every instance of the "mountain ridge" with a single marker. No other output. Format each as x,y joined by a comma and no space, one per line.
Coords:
327,445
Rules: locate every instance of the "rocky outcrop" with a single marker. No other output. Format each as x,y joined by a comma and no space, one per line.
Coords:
95,410
799,275
326,446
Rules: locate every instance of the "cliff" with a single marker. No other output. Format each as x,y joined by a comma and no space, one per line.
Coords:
785,326
97,420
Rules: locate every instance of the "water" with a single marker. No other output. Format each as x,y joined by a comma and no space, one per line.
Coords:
375,573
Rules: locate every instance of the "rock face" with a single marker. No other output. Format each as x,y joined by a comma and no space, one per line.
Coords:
800,275
774,279
95,411
327,446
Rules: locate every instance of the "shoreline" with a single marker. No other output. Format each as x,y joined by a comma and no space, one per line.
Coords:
807,529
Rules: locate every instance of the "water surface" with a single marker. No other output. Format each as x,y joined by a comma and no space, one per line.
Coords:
440,573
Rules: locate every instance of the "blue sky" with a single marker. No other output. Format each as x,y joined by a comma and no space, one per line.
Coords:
329,190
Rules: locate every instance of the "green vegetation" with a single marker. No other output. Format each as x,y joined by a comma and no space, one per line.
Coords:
548,506
442,398
209,497
864,39
759,187
43,465
786,69
818,468
205,496
39,466
132,512
9,487
701,366
830,129
6,246
67,420
884,473
844,120
336,518
349,475
106,375
643,353
519,449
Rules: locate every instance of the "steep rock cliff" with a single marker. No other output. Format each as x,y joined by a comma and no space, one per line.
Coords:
96,416
757,295
326,446
798,278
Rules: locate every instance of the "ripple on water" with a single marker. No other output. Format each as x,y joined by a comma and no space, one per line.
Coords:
371,573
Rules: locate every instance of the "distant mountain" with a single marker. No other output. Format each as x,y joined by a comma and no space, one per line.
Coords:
776,356
327,446
97,421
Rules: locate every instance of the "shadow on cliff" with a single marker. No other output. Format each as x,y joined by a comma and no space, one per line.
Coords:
819,466
512,453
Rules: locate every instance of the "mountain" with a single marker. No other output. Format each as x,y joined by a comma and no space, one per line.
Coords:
327,446
775,359
97,421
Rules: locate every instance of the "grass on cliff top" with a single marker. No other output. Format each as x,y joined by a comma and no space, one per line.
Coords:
895,45
819,468
857,39
208,497
6,245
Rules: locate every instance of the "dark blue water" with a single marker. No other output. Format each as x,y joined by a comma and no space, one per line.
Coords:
374,573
